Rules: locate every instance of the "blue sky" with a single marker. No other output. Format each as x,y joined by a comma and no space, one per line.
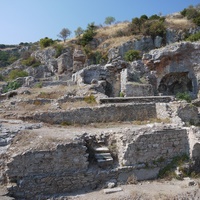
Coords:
31,20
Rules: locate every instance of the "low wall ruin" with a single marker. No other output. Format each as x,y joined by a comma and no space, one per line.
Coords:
67,168
104,113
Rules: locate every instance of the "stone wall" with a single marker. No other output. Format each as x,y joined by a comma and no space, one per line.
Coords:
141,153
104,113
153,147
58,160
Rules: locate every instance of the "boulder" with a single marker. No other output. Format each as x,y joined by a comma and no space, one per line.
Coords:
65,63
78,60
188,113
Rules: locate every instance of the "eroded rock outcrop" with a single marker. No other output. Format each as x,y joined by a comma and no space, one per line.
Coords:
176,67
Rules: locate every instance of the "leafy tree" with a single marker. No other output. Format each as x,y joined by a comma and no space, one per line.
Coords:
143,17
64,34
78,32
109,20
136,25
88,35
154,17
157,28
192,13
45,42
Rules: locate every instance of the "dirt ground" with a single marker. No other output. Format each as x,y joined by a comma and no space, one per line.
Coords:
146,190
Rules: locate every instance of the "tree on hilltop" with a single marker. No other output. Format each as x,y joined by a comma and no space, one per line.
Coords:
78,32
109,20
64,34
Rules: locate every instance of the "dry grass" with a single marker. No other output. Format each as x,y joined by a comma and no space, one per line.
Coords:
177,24
152,120
77,104
51,92
115,42
37,106
109,31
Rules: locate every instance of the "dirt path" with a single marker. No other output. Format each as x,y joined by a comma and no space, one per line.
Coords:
148,190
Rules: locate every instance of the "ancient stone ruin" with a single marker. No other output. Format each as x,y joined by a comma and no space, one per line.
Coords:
74,126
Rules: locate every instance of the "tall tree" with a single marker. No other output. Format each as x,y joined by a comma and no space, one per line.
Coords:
109,20
64,34
78,32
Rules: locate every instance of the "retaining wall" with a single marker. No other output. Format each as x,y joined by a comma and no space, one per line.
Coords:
105,113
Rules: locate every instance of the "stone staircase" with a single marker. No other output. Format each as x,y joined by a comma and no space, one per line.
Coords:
103,156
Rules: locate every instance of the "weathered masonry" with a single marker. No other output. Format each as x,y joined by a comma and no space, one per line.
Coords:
138,152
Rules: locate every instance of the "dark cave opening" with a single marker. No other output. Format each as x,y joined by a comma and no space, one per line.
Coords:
175,82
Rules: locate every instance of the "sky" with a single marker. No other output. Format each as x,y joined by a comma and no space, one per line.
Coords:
31,20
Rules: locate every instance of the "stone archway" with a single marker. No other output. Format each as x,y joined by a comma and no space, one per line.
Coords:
175,82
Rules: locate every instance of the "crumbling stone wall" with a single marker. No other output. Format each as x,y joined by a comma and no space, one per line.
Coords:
104,113
141,152
151,146
131,86
47,172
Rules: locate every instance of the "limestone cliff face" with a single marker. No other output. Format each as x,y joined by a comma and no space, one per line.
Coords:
176,66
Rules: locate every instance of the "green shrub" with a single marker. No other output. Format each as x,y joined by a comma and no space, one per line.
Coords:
197,20
88,34
90,99
154,28
192,13
46,42
2,78
169,170
38,85
154,17
132,55
11,86
16,73
184,96
65,123
121,94
12,59
31,61
59,49
95,57
194,37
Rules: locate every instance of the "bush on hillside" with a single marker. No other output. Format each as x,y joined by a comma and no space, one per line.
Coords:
132,55
59,49
31,61
184,96
154,28
95,57
16,73
88,34
8,58
46,42
192,13
194,37
151,26
11,86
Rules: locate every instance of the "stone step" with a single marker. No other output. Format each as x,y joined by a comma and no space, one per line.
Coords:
104,156
101,149
104,159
